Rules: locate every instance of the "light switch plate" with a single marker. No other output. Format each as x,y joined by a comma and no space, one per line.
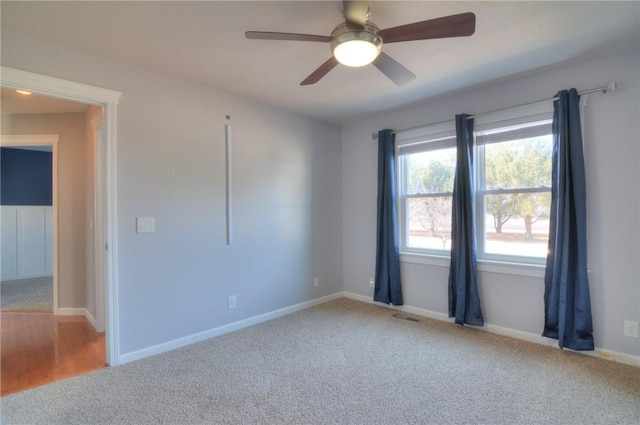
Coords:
631,328
145,225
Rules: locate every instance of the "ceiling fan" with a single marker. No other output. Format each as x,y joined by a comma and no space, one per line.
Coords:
358,41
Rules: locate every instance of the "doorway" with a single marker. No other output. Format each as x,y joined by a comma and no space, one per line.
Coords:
39,346
107,100
31,251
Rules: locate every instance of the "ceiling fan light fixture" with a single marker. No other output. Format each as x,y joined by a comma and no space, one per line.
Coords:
355,47
356,53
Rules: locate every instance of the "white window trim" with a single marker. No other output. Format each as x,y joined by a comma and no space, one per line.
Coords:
532,267
484,266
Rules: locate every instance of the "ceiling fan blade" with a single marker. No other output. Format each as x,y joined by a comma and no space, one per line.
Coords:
393,70
356,13
264,35
460,25
320,72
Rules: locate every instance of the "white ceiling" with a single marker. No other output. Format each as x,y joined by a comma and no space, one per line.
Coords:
204,42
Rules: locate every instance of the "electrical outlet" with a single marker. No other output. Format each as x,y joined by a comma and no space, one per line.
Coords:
630,328
371,284
231,302
316,282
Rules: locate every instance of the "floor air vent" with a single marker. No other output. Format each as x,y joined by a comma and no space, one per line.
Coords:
403,317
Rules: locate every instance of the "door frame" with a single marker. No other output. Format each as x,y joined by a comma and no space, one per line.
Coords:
98,214
108,100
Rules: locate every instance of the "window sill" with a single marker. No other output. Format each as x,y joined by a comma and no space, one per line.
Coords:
518,269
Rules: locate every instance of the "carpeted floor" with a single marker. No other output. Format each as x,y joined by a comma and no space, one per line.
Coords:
27,295
344,362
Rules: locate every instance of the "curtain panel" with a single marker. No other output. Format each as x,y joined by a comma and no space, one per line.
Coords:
464,299
388,288
567,301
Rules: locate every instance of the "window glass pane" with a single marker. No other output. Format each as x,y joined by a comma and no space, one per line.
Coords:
429,222
524,163
517,224
430,171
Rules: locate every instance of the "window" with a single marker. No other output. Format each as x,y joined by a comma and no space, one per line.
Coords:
513,191
512,194
427,172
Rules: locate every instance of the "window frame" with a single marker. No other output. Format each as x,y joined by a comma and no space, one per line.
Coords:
431,136
438,140
480,191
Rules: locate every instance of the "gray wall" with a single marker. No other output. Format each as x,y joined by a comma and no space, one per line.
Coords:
170,163
612,157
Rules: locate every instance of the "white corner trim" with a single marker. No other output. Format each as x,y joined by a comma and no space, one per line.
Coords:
69,90
615,356
97,120
91,319
224,329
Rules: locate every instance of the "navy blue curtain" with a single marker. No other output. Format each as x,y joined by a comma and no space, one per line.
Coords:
388,288
567,303
464,300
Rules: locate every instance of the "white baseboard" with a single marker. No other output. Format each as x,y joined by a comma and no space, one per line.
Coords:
91,319
615,356
211,333
74,311
71,311
201,336
405,308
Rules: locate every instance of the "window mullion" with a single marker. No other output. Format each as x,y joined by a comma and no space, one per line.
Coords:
480,187
428,195
518,190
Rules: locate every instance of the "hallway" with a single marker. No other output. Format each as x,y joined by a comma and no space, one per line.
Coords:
40,348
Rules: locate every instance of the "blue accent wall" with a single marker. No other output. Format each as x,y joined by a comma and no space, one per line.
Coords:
25,177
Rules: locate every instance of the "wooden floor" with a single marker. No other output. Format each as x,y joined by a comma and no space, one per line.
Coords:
39,348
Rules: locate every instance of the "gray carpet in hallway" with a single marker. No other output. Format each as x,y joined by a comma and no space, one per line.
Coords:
27,295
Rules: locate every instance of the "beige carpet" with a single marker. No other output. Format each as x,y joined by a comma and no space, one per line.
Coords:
344,362
28,295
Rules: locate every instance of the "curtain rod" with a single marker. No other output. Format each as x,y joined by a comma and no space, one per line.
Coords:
603,89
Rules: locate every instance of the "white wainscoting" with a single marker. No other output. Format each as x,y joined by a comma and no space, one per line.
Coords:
26,234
